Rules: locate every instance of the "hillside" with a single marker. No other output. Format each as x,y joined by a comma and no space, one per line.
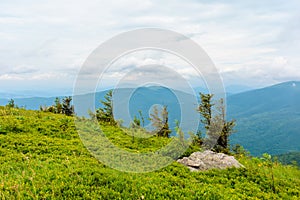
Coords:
283,96
42,157
289,158
142,99
268,119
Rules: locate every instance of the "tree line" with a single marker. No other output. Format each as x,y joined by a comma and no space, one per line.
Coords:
217,128
63,106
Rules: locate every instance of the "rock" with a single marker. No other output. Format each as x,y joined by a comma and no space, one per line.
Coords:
200,161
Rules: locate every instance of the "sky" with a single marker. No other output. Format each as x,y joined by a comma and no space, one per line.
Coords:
43,44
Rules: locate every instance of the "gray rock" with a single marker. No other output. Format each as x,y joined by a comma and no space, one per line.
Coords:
200,161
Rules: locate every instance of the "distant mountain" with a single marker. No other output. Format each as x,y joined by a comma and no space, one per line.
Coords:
13,94
268,119
32,103
235,89
181,105
7,96
289,158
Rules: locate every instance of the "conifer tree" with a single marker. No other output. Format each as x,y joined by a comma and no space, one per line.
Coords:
57,106
67,108
105,114
136,123
11,103
217,128
205,109
142,119
160,122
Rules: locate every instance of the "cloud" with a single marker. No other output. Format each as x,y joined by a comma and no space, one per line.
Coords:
10,77
249,41
23,70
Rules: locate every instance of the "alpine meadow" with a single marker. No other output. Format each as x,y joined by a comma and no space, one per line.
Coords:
150,100
42,157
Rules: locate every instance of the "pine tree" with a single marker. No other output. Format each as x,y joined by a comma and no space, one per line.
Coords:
155,119
67,108
11,103
105,114
160,122
227,129
217,128
165,131
205,109
58,106
64,107
136,123
142,119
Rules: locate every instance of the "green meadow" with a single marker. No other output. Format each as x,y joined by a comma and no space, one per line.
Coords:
42,157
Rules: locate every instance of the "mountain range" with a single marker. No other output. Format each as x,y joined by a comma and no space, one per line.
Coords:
268,119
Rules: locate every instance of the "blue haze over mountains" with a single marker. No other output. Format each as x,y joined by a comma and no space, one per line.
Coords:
268,119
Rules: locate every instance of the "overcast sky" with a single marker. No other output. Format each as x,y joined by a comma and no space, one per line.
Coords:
43,44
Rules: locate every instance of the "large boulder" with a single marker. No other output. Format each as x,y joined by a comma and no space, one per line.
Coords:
200,161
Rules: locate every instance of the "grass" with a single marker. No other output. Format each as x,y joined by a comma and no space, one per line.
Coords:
42,157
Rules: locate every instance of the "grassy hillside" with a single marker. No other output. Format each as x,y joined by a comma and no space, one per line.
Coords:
267,117
42,157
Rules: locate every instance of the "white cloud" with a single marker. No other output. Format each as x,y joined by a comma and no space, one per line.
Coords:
10,77
23,70
254,42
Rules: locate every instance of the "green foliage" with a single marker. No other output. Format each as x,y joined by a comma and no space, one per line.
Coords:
205,109
105,114
142,119
268,162
291,158
11,104
136,123
133,139
59,107
67,108
240,151
42,157
160,122
217,128
272,132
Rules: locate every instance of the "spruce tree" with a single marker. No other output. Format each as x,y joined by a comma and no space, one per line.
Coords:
136,123
205,109
58,106
217,128
11,103
160,122
105,114
67,108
